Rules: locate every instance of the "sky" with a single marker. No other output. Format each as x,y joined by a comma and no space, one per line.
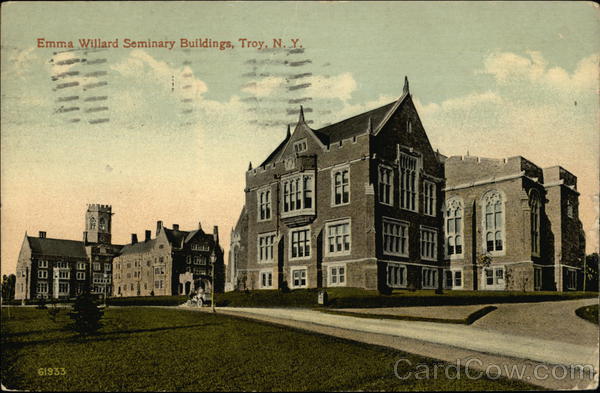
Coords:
167,134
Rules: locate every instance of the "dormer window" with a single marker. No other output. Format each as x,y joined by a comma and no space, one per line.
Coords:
300,146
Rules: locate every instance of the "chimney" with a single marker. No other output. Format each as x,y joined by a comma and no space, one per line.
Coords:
216,234
175,227
42,235
85,237
158,227
133,238
199,225
148,235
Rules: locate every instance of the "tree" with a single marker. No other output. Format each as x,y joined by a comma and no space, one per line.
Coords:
8,286
590,272
86,315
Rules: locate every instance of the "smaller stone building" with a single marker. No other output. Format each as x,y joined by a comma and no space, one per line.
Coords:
174,262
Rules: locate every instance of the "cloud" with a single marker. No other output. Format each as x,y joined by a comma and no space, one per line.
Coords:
332,87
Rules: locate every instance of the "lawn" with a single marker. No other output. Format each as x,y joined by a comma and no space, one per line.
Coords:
589,313
356,297
151,349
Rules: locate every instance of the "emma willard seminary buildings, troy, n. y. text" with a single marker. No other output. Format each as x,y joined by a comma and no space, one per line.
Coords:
367,202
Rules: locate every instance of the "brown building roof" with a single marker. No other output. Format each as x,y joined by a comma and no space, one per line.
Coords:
139,247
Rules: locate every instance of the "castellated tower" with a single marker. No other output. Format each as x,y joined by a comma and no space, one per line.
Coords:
98,224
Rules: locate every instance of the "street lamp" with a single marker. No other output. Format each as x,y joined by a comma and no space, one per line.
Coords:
213,259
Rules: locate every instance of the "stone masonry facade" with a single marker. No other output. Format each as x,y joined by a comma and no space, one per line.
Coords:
368,203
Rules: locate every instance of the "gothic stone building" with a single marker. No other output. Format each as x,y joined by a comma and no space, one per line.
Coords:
368,203
174,262
59,268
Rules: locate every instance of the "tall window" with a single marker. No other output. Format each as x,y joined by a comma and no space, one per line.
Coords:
63,288
300,243
341,186
42,273
429,198
396,275
386,185
408,182
534,203
264,205
102,225
42,287
428,243
395,237
454,227
338,238
298,193
569,209
429,277
92,223
494,221
43,263
265,247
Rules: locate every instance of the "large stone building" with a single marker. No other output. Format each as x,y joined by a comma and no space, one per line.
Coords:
367,202
59,268
174,262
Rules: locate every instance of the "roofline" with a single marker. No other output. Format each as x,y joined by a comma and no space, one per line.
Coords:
390,113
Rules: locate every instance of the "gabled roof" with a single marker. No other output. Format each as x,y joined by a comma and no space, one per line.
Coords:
346,128
57,247
140,247
175,236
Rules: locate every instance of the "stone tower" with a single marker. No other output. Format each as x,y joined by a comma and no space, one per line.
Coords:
98,224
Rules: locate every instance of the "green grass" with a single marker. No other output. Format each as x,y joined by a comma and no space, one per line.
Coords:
360,298
150,349
464,321
589,313
147,301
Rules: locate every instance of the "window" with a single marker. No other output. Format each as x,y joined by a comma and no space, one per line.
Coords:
80,265
62,265
159,270
300,243
569,209
299,278
300,146
429,198
298,193
81,275
43,264
454,227
494,277
396,275
571,279
428,243
157,284
42,273
92,223
42,287
264,205
493,221
453,279
63,288
537,278
64,274
386,185
429,278
102,225
98,266
265,247
338,238
395,237
107,267
341,186
534,203
409,126
266,279
337,276
408,182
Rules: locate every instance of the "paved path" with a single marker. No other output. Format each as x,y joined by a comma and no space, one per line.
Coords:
443,312
525,334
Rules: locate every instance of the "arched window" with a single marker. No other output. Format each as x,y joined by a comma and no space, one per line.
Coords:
534,203
493,224
454,226
92,223
102,225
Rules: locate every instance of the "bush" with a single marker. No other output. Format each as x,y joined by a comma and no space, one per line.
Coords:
147,301
41,304
86,315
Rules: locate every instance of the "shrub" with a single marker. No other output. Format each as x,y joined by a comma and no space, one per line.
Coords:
86,315
41,304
